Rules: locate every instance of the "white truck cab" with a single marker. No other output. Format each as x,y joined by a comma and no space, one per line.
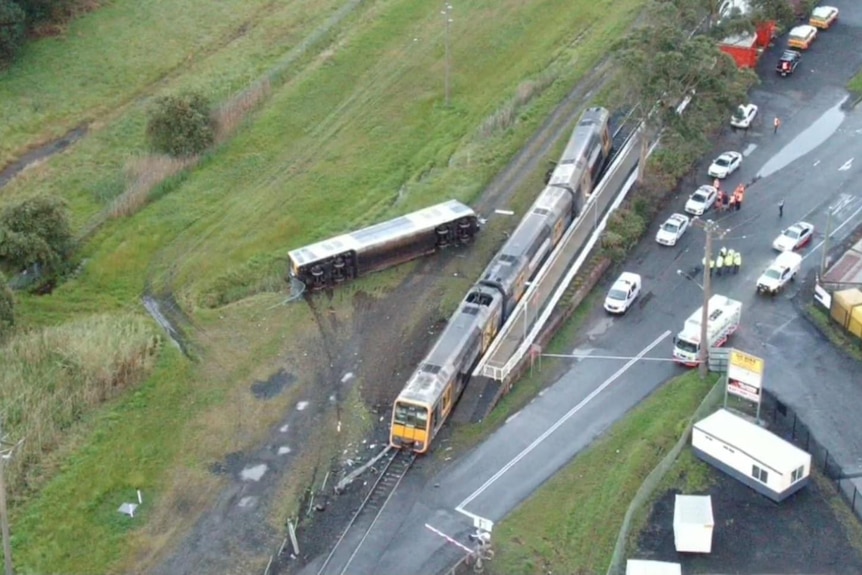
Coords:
782,270
723,319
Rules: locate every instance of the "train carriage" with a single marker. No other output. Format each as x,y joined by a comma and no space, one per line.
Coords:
432,391
336,260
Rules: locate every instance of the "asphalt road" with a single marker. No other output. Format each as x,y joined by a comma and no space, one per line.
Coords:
811,164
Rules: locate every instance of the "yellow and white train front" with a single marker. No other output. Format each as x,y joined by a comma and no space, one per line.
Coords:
411,426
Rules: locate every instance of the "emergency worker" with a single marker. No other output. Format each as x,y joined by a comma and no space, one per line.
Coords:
719,264
711,267
737,262
728,260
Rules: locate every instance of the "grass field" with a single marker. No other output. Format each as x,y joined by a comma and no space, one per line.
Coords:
354,133
571,524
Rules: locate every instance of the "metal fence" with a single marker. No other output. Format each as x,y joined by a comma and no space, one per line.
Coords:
785,422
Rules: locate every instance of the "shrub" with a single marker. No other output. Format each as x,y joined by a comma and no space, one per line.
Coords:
36,232
625,228
181,126
12,31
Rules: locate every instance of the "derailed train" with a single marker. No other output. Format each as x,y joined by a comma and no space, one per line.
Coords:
342,258
433,389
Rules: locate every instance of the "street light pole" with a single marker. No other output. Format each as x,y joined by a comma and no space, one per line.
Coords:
825,244
447,16
704,317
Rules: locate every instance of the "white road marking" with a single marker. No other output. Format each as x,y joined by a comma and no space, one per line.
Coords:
846,165
527,450
833,232
816,163
504,212
843,201
750,148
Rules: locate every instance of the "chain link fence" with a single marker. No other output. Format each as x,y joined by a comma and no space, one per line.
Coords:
787,423
648,487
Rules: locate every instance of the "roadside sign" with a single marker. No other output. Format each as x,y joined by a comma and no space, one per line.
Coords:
744,375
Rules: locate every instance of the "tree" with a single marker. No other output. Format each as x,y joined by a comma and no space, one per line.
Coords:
36,232
12,30
663,64
181,125
7,308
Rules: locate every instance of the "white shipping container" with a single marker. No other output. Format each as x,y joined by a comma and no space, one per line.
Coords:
753,455
693,523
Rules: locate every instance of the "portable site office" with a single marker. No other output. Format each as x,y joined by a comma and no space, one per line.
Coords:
747,452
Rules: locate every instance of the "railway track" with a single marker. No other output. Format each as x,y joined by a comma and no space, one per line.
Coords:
392,470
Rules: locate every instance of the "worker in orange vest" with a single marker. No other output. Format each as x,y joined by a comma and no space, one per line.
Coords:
740,196
716,183
731,204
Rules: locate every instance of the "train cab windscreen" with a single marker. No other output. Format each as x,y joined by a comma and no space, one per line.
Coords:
411,415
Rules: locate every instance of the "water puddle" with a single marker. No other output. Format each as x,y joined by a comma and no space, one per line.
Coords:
253,473
811,137
41,153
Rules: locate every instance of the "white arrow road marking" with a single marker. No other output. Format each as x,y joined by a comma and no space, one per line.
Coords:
817,162
526,451
846,165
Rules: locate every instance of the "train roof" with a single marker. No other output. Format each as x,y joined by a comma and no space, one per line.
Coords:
427,383
424,219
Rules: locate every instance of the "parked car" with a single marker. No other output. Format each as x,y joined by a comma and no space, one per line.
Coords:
823,17
725,164
672,229
743,116
794,237
782,270
624,291
788,62
801,37
701,200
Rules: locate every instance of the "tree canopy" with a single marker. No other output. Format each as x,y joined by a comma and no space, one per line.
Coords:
36,232
181,125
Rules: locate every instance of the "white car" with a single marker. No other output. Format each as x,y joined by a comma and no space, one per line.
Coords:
725,164
743,116
794,237
623,293
701,200
673,229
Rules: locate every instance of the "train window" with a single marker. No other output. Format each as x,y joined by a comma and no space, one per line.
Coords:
411,415
508,259
429,368
479,298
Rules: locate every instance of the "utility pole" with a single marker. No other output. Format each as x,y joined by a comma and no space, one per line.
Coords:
447,15
6,450
709,228
826,244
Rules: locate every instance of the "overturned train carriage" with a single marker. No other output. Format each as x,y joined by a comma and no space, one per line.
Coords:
430,394
336,260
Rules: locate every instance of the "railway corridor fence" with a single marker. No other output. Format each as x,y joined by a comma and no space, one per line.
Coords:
531,314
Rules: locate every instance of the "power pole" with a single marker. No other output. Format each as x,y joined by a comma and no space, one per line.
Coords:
709,228
6,450
826,244
447,13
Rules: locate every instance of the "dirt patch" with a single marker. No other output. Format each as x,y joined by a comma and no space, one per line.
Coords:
753,535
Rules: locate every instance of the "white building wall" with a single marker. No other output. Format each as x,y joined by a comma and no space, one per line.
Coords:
777,480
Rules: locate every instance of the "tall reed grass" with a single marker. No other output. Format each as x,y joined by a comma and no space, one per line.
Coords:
52,378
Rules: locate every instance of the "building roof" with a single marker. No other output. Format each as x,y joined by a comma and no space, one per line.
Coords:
644,567
693,510
848,268
754,440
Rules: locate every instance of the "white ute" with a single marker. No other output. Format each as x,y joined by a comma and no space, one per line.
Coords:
782,270
624,291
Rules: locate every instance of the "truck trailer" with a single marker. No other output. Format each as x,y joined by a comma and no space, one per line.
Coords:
724,317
